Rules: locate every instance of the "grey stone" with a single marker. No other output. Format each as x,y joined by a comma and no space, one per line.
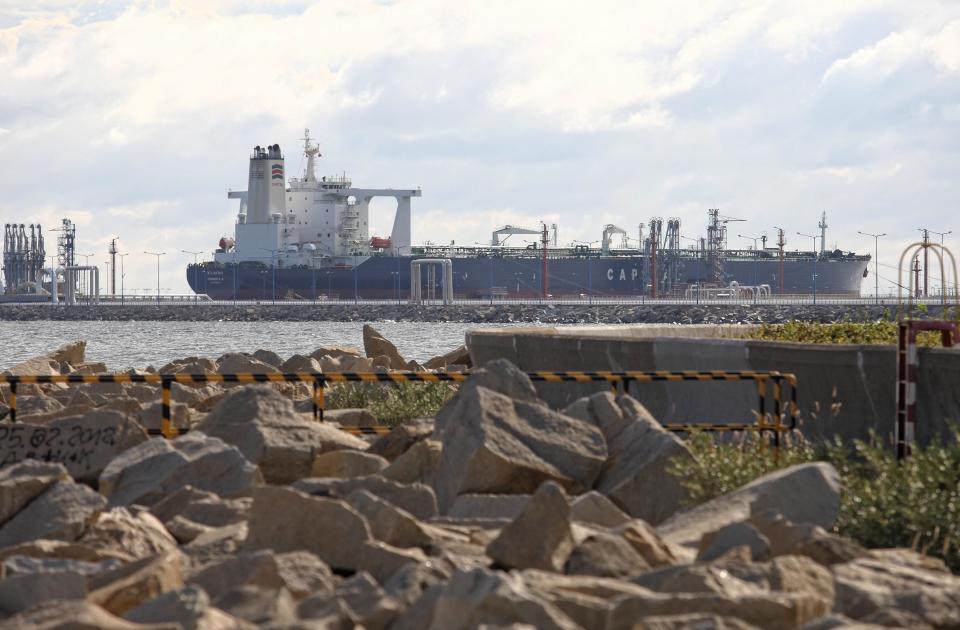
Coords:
300,363
23,482
499,506
127,587
262,423
415,498
389,523
401,438
201,507
375,345
605,555
237,363
715,544
122,533
260,606
382,561
596,509
62,512
418,464
158,467
269,357
345,464
25,591
540,536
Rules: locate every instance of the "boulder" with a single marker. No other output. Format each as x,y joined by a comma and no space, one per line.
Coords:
22,483
190,365
335,352
304,574
540,536
258,568
494,444
805,539
158,467
260,607
479,596
389,523
418,464
150,416
382,561
717,543
415,498
125,588
135,535
26,590
375,344
346,464
635,475
401,438
214,545
488,506
596,509
188,607
201,507
264,426
84,444
805,493
300,363
38,405
70,614
359,599
269,357
73,353
238,363
458,356
350,417
62,512
284,519
605,555
647,543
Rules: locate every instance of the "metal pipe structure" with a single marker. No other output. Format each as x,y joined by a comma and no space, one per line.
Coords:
416,296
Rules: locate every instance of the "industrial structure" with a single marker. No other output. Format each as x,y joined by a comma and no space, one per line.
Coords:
23,258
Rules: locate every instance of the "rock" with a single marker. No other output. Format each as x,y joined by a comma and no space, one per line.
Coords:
299,363
346,464
365,603
418,464
505,378
411,581
807,493
375,344
27,565
645,540
269,357
237,363
900,581
488,506
264,426
150,416
596,509
73,615
257,569
700,578
350,417
31,406
805,539
457,356
539,537
22,483
84,444
764,610
42,549
190,365
304,574
400,439
473,598
605,555
635,475
24,591
696,620
335,352
201,507
188,607
389,523
284,519
717,543
493,444
158,467
73,353
89,368
123,589
62,512
44,366
259,606
136,536
382,560
213,545
415,498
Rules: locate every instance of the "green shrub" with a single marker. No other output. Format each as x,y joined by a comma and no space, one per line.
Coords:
879,332
885,502
391,403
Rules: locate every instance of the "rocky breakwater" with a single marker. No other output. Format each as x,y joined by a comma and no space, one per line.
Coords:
467,313
498,512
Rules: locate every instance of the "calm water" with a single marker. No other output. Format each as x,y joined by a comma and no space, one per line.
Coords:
138,344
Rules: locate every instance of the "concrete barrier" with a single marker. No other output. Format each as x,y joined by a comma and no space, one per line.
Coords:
844,390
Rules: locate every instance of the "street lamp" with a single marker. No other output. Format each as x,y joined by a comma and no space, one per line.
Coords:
158,255
756,255
942,234
122,274
814,263
876,262
86,259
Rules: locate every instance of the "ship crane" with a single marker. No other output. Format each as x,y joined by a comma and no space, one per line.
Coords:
508,231
608,231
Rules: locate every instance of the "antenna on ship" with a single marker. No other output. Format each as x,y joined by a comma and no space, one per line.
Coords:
311,151
823,232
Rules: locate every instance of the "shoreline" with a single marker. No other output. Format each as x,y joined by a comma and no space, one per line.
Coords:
477,314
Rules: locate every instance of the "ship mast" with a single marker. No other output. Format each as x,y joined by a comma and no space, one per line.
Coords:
311,151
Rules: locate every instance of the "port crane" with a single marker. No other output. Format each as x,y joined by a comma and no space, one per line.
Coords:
507,231
608,231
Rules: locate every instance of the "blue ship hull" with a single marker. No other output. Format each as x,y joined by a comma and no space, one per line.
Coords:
384,277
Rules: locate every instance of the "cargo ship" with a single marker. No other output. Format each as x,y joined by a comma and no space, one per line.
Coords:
308,237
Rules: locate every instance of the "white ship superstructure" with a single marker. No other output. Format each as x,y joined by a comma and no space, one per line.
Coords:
312,222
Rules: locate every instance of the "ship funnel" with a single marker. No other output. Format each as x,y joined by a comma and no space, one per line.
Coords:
266,188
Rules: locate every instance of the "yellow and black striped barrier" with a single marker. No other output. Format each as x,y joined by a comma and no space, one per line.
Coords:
319,381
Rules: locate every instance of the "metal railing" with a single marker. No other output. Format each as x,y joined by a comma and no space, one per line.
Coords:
772,421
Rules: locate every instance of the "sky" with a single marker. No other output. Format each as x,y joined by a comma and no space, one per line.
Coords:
134,119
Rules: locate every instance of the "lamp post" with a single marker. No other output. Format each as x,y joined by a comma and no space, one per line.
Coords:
814,263
942,234
234,277
273,273
756,256
876,263
122,274
158,255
